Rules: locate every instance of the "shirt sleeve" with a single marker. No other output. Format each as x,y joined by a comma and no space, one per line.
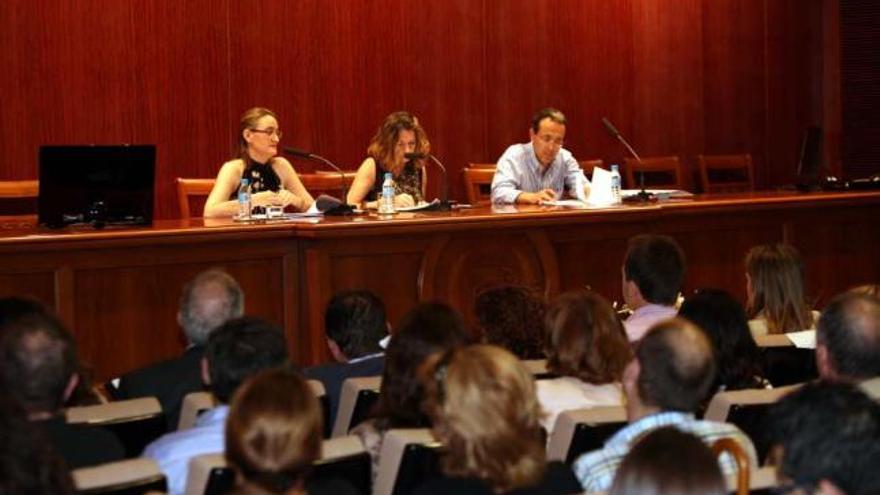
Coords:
506,184
575,180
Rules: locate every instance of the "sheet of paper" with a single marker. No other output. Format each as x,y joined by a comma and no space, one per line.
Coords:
600,189
803,340
568,203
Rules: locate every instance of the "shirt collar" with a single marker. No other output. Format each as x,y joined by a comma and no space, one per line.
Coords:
364,358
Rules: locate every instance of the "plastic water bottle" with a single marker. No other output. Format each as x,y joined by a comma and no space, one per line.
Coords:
244,199
386,203
615,185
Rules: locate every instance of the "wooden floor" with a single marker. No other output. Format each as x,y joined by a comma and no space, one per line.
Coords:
118,290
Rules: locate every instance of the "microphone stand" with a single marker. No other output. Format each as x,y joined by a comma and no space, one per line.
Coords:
444,204
643,196
341,209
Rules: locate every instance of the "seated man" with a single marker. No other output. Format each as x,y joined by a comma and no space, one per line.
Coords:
664,384
237,350
848,342
354,324
653,272
827,440
540,170
38,364
209,300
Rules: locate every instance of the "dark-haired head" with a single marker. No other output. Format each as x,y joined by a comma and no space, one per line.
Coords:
426,329
724,321
512,317
239,349
827,434
669,461
355,320
655,264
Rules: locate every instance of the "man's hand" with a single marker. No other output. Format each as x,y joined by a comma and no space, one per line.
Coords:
536,197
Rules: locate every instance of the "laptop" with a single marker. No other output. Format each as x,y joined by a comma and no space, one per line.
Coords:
96,185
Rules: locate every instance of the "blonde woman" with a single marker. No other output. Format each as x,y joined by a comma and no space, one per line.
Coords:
398,135
775,290
272,178
483,408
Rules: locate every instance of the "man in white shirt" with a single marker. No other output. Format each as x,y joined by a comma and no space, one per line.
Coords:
540,170
653,273
236,351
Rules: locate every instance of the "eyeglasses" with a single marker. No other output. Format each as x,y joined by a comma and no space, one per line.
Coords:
269,132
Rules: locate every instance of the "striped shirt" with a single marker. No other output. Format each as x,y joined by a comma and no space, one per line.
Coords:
595,470
518,171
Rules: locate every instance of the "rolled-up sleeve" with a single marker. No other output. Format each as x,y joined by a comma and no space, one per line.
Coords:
506,183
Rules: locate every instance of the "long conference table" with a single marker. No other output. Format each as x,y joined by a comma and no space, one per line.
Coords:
118,289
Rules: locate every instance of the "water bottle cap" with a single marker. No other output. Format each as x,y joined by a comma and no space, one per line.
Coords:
615,167
245,181
388,175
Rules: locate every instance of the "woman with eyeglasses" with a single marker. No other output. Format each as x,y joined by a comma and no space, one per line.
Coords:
272,179
398,135
483,409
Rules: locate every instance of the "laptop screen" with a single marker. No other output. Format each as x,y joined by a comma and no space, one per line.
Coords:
96,185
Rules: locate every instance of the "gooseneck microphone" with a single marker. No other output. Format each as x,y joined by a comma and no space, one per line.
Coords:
343,208
444,191
643,196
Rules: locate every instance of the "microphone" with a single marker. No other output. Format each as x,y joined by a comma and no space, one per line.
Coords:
643,195
444,191
343,208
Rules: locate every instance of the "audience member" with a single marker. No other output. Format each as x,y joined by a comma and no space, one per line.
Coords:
237,350
354,324
775,289
482,404
424,330
827,440
665,383
210,299
848,342
653,273
38,369
512,317
724,320
872,290
28,463
588,350
272,438
669,461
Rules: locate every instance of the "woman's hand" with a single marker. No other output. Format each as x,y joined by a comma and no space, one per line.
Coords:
403,201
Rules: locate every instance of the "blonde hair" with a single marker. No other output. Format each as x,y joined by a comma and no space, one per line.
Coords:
382,145
777,277
249,120
273,432
483,407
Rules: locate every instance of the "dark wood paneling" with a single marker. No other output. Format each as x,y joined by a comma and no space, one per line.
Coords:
676,77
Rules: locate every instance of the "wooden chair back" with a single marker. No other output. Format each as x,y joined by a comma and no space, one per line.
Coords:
726,173
18,198
327,182
187,188
731,447
477,179
356,399
663,172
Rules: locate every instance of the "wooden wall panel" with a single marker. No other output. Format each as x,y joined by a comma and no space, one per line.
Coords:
680,77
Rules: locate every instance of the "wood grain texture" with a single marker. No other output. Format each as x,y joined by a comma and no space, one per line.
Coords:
118,290
685,77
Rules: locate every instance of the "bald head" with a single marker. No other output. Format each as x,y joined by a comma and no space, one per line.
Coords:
676,366
208,301
848,338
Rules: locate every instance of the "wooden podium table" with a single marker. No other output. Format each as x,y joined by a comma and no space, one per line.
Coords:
118,289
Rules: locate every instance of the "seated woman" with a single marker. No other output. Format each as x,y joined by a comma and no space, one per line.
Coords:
272,178
775,289
587,348
399,134
512,317
668,460
273,436
426,329
737,357
482,404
